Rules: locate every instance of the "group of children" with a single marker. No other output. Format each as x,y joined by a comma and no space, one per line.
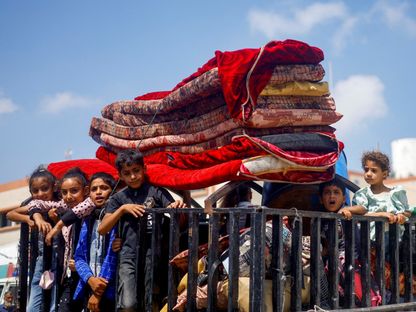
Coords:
376,199
89,261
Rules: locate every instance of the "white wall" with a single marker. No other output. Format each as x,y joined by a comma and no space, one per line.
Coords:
404,157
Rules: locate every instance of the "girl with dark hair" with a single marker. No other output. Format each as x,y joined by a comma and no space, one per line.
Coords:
377,199
75,204
42,186
95,260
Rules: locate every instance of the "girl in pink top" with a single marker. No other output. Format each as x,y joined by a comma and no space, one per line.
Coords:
74,205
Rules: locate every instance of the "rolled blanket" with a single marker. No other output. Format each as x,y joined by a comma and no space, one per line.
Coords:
222,140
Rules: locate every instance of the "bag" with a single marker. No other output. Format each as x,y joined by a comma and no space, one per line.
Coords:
375,296
47,279
374,291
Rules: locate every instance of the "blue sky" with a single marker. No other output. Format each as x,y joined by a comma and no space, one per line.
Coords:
62,61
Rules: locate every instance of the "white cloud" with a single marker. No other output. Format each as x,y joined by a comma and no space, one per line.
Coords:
396,15
303,21
63,101
361,100
6,105
343,32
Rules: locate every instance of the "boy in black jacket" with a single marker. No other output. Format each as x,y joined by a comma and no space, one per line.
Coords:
127,206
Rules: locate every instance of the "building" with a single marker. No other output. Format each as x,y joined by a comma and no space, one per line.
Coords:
11,194
409,184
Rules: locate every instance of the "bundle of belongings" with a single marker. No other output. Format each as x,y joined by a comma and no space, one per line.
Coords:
180,262
251,114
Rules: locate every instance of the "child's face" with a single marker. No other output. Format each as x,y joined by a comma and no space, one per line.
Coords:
8,298
373,174
41,188
332,198
73,192
99,192
132,175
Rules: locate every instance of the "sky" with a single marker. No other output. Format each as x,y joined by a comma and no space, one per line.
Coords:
61,62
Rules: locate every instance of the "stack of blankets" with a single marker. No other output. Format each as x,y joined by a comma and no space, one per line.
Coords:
251,114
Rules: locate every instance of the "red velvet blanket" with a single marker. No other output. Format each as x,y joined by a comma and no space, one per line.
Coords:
234,66
194,171
88,166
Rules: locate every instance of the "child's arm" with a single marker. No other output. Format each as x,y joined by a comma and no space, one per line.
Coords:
94,303
107,273
6,210
43,226
20,215
347,212
168,202
40,206
183,218
80,211
403,216
391,217
359,205
116,245
53,215
399,200
177,204
97,284
53,232
110,219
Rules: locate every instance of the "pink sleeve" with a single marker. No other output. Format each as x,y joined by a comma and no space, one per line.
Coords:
43,206
84,209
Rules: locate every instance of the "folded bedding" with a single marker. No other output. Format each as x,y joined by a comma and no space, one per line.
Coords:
295,102
291,176
260,118
231,72
259,114
265,118
193,110
300,88
183,126
167,140
205,86
275,118
240,160
296,72
267,164
222,140
204,108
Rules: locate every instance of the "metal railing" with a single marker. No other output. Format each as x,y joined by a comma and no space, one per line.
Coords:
400,250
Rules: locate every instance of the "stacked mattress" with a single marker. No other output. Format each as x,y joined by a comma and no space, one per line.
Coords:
261,114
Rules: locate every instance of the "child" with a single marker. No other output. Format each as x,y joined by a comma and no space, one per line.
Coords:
8,305
41,187
332,195
378,199
126,206
96,273
74,190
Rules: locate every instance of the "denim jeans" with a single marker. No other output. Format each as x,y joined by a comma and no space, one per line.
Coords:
35,303
127,285
35,299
